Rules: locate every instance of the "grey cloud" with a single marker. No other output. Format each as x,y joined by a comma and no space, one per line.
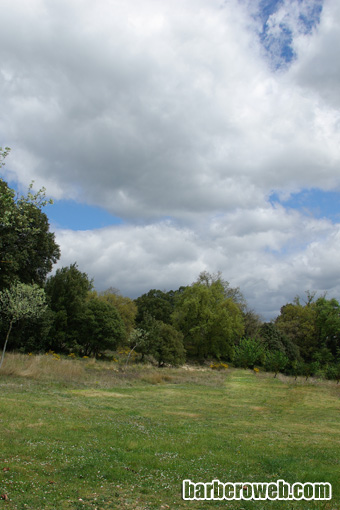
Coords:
166,109
155,111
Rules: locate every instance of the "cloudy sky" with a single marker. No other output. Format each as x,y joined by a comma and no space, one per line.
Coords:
177,136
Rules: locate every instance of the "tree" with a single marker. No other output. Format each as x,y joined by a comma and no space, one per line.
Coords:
298,322
275,361
328,323
208,318
248,353
67,291
275,340
27,248
100,327
167,346
19,302
157,303
125,306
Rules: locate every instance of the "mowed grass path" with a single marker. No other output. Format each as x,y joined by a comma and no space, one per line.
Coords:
127,441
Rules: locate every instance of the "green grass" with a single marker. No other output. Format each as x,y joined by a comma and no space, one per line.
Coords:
81,435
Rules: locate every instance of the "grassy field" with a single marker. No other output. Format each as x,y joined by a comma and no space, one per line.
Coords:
78,434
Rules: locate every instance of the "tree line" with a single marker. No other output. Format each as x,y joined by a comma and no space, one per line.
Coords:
207,320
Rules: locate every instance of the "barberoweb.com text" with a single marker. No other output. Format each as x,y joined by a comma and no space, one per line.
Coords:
271,491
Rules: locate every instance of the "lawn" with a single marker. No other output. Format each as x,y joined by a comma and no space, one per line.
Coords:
82,435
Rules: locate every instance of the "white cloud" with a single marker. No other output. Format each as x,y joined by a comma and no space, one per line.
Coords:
166,109
271,254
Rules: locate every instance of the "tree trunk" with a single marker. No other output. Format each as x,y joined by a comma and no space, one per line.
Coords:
127,361
7,337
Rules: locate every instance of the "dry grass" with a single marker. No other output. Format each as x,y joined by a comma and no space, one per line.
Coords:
42,367
103,374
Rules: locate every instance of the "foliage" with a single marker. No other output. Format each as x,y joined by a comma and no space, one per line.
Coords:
100,327
218,365
209,321
328,323
167,346
275,340
21,301
298,323
157,303
126,307
275,361
28,250
248,352
67,292
252,323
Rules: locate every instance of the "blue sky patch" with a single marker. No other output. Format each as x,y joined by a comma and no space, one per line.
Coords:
72,215
314,202
278,44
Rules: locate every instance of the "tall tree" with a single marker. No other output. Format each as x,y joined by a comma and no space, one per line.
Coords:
125,306
67,291
298,322
157,303
27,248
328,323
209,319
100,327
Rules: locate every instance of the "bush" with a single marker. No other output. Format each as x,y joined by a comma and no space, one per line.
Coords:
275,362
249,352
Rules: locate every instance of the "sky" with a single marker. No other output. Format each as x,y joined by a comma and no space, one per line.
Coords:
181,136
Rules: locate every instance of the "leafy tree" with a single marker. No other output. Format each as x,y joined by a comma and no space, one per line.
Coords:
27,249
276,361
139,342
160,340
167,346
100,327
67,292
21,301
125,306
33,334
275,340
146,335
298,322
328,323
209,321
157,303
252,323
248,353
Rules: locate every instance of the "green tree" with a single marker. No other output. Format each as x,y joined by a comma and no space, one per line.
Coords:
248,352
67,291
100,327
167,346
157,303
328,323
275,340
208,318
125,306
21,301
275,361
298,322
27,248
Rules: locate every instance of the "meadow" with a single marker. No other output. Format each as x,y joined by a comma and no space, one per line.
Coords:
81,434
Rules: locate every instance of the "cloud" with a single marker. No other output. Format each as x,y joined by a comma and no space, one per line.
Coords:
114,105
170,116
271,254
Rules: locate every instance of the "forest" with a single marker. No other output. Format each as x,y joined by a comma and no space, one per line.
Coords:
205,322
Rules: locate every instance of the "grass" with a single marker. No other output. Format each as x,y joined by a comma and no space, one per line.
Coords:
78,434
